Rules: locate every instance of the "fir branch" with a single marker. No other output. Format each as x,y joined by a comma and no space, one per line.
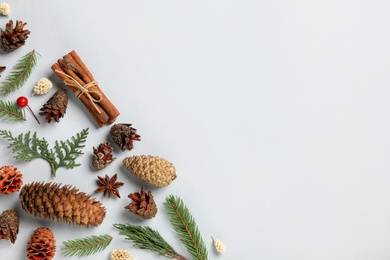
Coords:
20,73
86,246
11,111
27,148
185,226
147,238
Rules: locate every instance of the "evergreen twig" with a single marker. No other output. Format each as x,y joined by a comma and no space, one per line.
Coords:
27,148
11,111
20,73
185,226
86,246
147,238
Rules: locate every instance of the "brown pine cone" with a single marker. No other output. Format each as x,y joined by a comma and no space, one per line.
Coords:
102,156
124,135
9,225
13,38
142,204
10,179
62,203
55,107
42,245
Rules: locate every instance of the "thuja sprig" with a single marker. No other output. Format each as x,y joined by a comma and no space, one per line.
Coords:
64,154
147,238
86,246
185,226
10,111
20,73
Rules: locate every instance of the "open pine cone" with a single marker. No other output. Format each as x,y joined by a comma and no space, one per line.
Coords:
10,179
124,135
12,38
42,245
142,204
9,225
55,107
102,156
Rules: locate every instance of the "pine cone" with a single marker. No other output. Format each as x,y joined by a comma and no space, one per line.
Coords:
124,135
102,156
9,225
143,204
10,179
61,203
55,107
152,169
121,255
13,38
42,245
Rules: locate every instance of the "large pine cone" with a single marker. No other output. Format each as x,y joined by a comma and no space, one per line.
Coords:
10,179
42,245
55,107
61,203
124,135
13,38
152,169
142,204
9,225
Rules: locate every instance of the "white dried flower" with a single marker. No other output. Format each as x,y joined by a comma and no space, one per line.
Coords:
4,9
121,255
42,87
219,246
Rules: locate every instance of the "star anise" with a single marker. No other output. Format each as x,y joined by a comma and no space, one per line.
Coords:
109,186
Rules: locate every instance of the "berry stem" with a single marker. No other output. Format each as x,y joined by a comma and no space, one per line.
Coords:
33,114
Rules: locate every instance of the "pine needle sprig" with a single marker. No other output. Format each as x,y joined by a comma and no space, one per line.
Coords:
20,73
147,238
11,111
86,246
27,147
185,226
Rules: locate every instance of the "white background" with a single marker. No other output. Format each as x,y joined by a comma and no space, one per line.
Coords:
275,114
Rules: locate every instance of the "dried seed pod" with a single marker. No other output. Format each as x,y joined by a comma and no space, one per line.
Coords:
142,204
43,86
41,245
121,255
102,156
124,135
55,107
219,246
9,225
152,169
4,9
10,179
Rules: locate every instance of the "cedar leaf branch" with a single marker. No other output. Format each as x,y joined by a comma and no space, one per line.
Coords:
27,147
20,73
86,246
11,111
185,226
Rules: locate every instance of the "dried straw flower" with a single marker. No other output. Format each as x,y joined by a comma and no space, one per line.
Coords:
4,9
43,86
121,255
219,246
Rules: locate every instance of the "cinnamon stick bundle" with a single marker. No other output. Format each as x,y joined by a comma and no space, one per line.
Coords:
76,75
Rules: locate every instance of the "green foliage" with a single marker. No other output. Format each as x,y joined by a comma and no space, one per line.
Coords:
147,238
185,226
86,246
20,73
64,154
11,111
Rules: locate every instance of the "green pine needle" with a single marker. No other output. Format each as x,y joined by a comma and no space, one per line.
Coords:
147,238
185,226
86,246
11,111
27,148
20,73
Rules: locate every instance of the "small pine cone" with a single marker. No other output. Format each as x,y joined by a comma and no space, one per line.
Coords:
4,9
124,135
9,225
10,179
61,203
152,169
42,245
102,156
43,86
142,204
55,107
121,255
13,38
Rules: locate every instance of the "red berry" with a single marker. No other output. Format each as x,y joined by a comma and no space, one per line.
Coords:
22,101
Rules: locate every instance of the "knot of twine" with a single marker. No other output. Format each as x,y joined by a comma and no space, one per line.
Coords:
83,90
